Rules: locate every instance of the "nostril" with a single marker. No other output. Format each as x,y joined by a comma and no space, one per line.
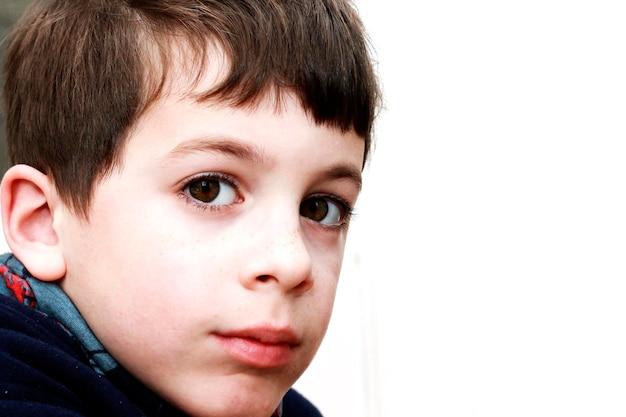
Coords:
263,278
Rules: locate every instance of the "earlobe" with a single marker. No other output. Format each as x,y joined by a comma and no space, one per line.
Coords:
29,200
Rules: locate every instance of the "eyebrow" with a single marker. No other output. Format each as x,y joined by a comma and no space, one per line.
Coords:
345,172
223,145
249,152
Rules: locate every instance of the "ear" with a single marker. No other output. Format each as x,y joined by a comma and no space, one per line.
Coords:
29,200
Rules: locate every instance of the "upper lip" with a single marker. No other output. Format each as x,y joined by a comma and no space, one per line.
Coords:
265,334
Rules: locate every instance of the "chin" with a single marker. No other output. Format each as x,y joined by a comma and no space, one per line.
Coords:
238,400
233,408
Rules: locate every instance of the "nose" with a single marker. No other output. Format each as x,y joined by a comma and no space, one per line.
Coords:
278,255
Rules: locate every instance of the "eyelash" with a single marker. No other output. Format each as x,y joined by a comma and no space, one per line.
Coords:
213,176
347,209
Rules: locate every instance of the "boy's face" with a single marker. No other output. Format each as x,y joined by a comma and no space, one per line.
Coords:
209,264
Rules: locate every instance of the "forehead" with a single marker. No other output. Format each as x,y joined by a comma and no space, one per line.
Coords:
189,123
180,137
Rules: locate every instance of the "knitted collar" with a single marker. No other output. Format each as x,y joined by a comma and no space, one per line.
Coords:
49,299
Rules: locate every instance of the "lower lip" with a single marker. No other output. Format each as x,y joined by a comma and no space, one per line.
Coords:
257,354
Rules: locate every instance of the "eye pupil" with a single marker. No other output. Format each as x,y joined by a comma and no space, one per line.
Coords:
204,190
314,209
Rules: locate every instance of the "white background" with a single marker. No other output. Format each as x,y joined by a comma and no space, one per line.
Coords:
486,272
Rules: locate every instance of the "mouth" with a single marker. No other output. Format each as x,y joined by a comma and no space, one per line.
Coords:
260,347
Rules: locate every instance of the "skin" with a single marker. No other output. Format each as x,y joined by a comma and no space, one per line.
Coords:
181,290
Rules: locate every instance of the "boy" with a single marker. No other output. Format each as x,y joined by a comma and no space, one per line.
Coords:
182,182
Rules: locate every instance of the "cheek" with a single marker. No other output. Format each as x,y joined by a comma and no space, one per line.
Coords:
322,302
134,269
327,287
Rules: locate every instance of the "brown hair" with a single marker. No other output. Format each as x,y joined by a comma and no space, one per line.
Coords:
79,73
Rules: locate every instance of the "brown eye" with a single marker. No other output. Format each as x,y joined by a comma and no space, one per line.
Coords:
324,211
204,190
212,191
